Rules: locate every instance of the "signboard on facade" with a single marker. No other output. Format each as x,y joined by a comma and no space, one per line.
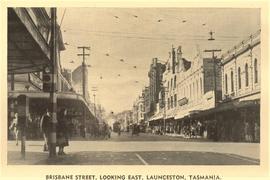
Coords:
35,80
183,101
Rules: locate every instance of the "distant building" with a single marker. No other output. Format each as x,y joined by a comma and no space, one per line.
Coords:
155,75
77,81
139,111
125,119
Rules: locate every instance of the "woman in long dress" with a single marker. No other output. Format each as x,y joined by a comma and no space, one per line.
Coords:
62,131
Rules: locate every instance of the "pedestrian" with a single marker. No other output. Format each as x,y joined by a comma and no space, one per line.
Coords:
45,128
62,131
14,126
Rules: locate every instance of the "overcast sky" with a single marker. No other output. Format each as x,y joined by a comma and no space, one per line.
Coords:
137,35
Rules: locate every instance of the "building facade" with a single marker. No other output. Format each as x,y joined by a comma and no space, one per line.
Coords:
241,84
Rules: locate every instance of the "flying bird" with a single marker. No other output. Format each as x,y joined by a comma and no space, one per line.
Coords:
107,54
184,21
159,20
135,16
135,67
122,60
119,75
116,17
71,61
101,77
204,24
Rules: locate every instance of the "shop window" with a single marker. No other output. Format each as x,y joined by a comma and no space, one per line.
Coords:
232,85
246,74
239,77
255,71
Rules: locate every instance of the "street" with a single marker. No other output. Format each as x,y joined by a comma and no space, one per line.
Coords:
145,149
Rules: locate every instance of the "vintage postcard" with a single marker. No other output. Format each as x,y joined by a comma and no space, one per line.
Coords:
134,91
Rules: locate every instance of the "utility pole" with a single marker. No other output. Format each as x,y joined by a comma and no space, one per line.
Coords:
94,89
53,105
83,54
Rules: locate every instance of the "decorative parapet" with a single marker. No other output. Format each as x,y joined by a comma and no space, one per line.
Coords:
242,47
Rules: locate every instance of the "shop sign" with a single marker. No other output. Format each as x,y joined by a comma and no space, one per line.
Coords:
183,101
35,80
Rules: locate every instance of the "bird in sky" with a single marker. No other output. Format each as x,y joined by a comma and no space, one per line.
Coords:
101,77
134,67
159,20
184,21
116,17
71,61
107,54
119,75
204,24
122,60
135,16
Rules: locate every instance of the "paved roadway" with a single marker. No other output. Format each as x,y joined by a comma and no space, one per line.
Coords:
144,149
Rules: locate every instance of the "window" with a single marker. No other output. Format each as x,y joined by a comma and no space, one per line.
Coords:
174,81
239,77
197,87
171,102
246,74
175,100
190,91
232,85
226,84
201,85
255,71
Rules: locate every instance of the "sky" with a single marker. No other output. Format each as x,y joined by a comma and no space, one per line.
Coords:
123,38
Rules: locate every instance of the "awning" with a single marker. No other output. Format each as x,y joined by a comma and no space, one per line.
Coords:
157,116
64,99
28,40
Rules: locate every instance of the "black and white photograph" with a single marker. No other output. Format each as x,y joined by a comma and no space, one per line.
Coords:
132,86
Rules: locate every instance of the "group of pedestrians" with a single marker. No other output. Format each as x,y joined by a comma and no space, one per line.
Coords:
62,134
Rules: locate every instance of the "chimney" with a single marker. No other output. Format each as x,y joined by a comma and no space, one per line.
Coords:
179,59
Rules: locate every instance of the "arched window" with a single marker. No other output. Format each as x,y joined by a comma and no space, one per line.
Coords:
201,86
226,84
197,87
255,71
239,77
190,91
246,74
174,81
232,85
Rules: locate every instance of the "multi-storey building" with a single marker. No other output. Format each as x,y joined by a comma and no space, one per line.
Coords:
190,87
29,66
155,84
139,111
241,81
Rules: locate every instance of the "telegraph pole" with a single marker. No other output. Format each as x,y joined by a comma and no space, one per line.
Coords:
83,54
53,105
